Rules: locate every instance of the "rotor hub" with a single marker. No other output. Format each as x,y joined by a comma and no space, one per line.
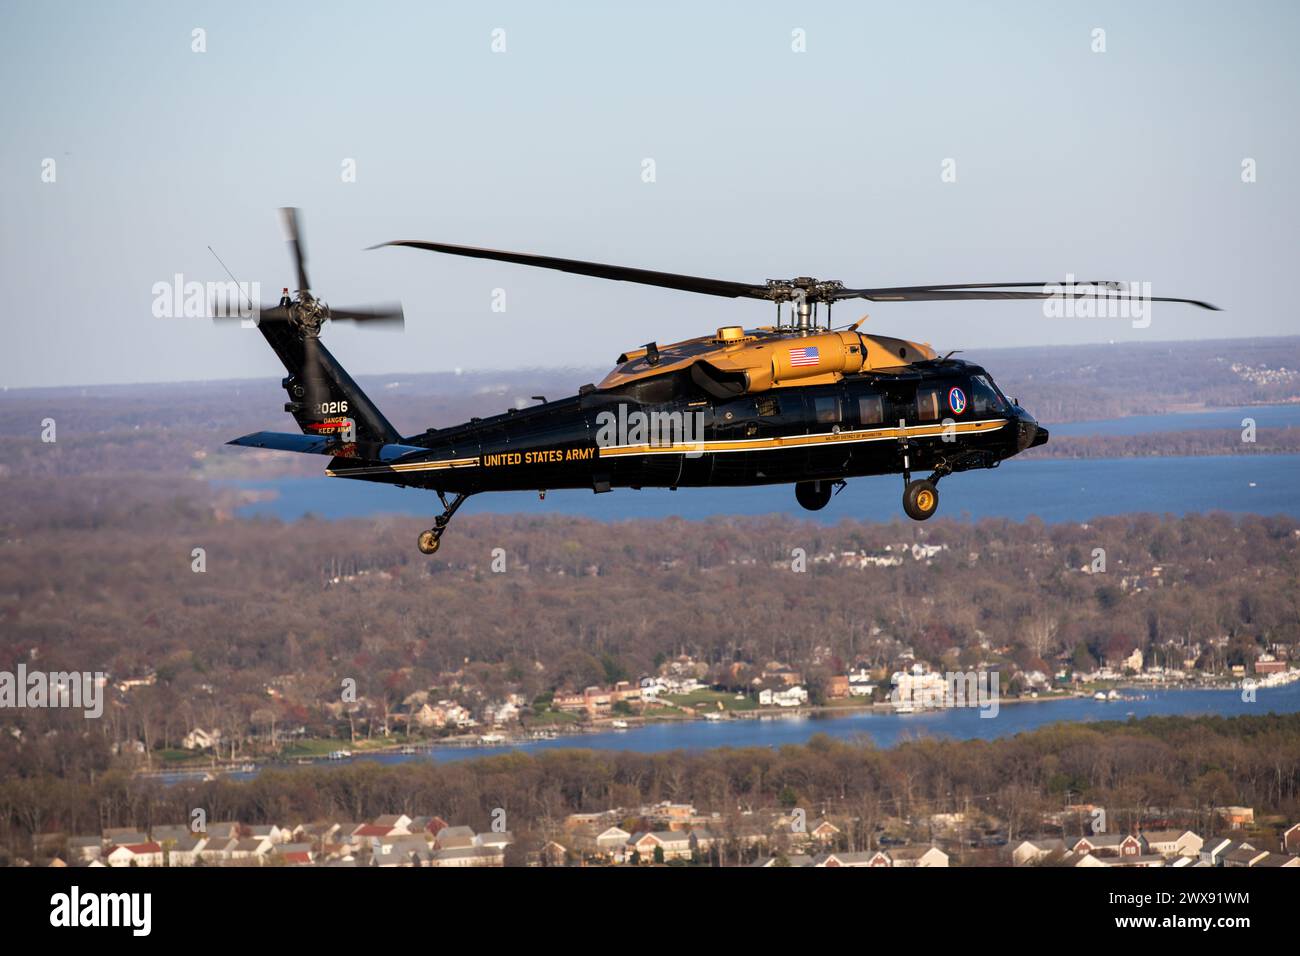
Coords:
804,289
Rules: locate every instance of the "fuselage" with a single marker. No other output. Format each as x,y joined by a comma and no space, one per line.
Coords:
668,432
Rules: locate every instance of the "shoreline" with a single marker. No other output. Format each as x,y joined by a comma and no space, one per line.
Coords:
605,725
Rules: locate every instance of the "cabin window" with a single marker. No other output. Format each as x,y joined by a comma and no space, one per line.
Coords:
871,410
827,409
927,404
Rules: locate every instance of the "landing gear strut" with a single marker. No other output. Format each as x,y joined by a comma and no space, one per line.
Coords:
431,539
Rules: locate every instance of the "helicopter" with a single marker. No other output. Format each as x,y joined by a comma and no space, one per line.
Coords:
797,402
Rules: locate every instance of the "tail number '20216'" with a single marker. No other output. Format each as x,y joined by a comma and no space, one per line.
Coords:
331,408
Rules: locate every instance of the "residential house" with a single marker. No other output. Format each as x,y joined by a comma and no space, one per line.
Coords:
293,854
785,697
171,832
918,856
1172,842
1034,852
467,856
1145,860
823,831
675,845
401,850
702,839
200,739
611,839
224,830
1291,839
122,836
553,854
186,850
317,833
267,831
1109,844
1074,860
860,684
397,823
1213,850
83,849
1236,817
675,816
250,849
1243,856
372,831
135,854
455,838
863,858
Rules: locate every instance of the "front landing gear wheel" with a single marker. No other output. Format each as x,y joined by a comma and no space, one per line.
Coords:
813,495
920,499
429,541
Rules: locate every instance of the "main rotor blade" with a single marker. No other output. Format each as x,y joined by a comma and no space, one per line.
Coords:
990,292
289,220
665,280
783,291
388,314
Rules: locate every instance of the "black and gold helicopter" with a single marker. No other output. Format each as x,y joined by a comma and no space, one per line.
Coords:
795,402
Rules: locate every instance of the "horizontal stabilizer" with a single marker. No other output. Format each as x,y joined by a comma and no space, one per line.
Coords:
325,445
287,441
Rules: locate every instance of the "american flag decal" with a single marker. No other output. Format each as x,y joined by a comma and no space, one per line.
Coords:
801,358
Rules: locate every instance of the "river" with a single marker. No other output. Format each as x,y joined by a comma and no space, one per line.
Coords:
881,727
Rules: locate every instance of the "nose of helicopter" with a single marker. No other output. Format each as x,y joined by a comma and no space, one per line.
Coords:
1029,434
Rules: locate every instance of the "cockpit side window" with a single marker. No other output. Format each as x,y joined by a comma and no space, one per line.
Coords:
985,399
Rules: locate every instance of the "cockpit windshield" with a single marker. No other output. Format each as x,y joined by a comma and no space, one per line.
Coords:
985,397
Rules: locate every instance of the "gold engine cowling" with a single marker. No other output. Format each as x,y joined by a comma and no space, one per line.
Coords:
740,362
787,361
835,352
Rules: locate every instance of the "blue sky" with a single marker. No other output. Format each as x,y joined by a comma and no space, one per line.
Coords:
768,163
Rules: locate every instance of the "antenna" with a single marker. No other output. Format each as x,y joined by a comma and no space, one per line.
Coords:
237,283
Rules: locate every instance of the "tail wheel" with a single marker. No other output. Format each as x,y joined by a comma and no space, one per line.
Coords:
920,499
429,542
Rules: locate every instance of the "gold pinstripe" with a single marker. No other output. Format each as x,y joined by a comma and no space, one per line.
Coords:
718,447
798,441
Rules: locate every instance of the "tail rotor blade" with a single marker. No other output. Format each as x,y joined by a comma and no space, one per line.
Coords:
387,314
